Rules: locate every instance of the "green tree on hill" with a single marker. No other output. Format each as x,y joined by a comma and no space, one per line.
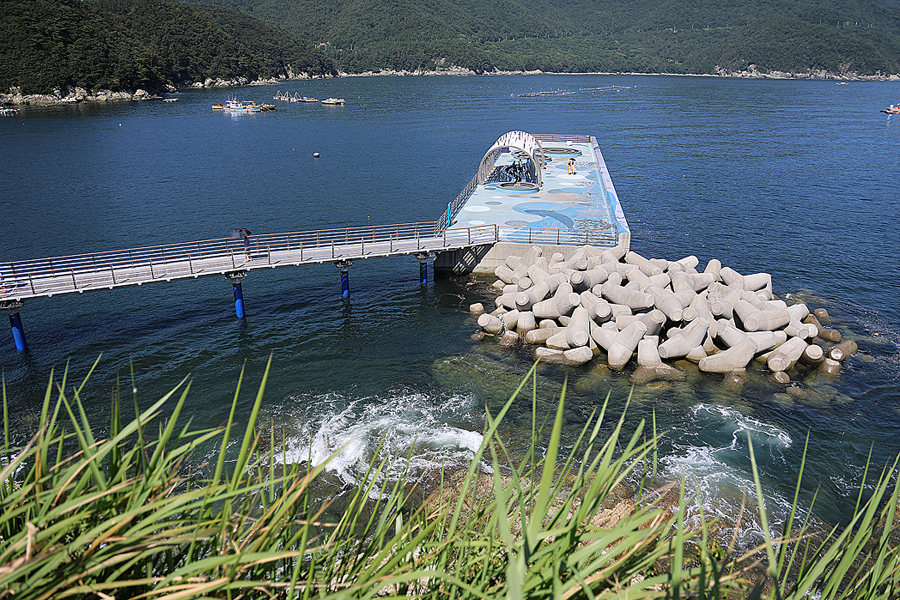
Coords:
129,44
677,36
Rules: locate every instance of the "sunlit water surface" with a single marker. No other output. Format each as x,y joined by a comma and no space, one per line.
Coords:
798,179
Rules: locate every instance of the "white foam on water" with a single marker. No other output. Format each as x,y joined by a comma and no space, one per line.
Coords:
718,490
843,486
412,433
718,479
760,432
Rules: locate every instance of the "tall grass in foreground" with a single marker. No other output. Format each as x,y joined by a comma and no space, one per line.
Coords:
125,517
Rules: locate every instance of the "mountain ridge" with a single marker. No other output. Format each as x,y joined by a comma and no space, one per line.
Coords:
666,36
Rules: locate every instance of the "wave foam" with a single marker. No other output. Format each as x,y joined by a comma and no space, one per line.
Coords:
412,433
717,473
760,432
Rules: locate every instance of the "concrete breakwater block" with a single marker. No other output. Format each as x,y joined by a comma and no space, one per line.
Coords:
832,335
736,357
616,306
681,342
490,323
812,356
786,355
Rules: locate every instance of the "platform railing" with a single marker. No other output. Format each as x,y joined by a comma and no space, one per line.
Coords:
553,137
456,205
603,238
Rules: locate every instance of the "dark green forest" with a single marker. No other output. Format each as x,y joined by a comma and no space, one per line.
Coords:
149,44
666,36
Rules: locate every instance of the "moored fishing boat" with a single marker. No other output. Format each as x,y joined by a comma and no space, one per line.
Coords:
333,101
236,106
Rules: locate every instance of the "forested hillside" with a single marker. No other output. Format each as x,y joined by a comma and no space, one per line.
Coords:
129,44
670,36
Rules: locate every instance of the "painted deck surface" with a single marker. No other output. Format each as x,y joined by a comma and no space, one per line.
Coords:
582,206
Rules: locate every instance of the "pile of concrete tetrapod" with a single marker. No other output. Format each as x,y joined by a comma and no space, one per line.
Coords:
607,301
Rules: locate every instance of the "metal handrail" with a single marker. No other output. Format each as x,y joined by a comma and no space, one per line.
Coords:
100,270
456,205
556,137
134,256
62,274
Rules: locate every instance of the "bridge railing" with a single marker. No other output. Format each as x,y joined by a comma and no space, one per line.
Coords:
96,270
205,256
456,205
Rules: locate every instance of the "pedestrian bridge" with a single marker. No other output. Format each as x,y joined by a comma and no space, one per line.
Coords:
235,258
47,277
568,200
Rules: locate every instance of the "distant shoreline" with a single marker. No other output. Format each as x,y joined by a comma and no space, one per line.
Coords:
79,95
750,73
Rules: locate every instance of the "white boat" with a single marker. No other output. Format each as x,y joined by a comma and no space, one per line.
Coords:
333,101
236,106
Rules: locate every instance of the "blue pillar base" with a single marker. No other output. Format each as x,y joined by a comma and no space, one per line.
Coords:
344,266
239,301
235,277
423,267
18,331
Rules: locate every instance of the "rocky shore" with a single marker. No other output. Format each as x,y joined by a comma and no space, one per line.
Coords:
749,73
819,75
74,95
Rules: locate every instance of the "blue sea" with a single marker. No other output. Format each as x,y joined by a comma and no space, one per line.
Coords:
800,179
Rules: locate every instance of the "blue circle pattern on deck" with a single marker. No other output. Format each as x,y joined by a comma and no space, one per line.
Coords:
570,202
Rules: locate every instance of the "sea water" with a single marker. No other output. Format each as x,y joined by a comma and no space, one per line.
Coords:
800,179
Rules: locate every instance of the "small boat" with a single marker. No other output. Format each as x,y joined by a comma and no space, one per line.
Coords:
236,106
8,112
333,101
892,110
218,106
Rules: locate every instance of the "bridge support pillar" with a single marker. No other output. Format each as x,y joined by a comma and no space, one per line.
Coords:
236,278
423,266
344,266
15,321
